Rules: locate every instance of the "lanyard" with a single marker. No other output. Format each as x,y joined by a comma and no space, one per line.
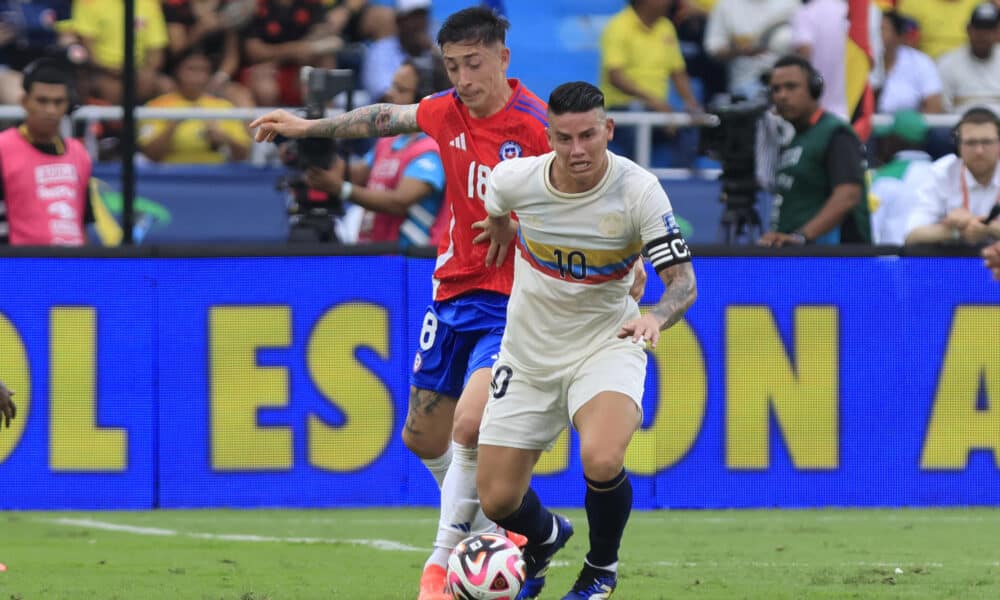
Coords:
965,190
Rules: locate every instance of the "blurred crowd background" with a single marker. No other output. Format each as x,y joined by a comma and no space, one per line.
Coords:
929,59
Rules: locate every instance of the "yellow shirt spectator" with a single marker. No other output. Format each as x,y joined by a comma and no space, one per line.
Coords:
648,56
103,22
190,143
942,22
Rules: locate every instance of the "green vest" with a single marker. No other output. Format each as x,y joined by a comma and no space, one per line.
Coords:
803,186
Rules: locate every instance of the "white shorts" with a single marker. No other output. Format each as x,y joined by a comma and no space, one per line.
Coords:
529,411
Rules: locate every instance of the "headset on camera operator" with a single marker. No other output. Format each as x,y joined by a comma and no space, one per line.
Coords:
820,177
400,184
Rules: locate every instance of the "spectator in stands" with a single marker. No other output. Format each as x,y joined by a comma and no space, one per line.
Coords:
214,26
44,191
960,202
640,57
193,140
27,32
939,23
690,18
991,256
820,182
412,40
8,410
971,74
400,183
100,27
911,80
894,184
744,34
819,34
284,36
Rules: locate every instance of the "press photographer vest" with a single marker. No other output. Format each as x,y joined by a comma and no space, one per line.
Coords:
387,170
802,185
45,194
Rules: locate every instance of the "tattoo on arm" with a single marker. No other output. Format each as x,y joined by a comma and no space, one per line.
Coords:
374,120
679,294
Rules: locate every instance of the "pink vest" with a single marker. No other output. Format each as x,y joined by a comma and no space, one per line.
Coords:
387,169
45,194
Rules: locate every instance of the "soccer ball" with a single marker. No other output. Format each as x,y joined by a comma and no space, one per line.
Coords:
487,566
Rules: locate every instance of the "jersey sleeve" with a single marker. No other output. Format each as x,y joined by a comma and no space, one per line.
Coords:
430,115
661,236
496,203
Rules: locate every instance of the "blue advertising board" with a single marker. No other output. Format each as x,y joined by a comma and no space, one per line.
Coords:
283,381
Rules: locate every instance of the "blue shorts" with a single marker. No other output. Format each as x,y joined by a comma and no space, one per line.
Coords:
457,337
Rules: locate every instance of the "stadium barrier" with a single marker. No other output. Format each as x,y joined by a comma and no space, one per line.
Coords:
644,122
208,377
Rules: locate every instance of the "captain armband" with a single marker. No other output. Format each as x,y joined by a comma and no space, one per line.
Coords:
667,251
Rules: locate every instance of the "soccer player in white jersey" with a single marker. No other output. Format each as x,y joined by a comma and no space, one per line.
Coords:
573,351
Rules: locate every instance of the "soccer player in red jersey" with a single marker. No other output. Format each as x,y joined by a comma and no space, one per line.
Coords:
485,119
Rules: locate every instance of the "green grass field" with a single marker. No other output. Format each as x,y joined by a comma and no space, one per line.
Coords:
378,554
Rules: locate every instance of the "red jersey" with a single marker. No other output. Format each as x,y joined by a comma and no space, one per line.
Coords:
470,148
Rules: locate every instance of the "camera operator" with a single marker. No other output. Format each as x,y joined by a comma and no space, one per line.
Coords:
820,183
400,183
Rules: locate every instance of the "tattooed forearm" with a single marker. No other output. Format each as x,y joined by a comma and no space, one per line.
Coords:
375,120
679,294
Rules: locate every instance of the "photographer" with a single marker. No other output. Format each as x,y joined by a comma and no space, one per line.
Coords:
820,180
400,183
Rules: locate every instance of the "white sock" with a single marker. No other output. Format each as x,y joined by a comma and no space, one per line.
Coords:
459,500
438,466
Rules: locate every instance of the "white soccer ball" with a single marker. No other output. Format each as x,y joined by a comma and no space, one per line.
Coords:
486,566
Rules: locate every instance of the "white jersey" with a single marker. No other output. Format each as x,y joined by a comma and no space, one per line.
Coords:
575,255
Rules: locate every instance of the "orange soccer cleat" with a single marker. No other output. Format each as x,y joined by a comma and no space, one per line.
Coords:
519,540
432,584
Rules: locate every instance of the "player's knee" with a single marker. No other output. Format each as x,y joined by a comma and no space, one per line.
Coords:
601,464
498,501
465,430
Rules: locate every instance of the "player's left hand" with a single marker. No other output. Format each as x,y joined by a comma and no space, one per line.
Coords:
499,232
8,410
643,329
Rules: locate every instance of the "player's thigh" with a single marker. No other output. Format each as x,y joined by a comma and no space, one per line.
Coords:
503,477
605,406
472,402
522,411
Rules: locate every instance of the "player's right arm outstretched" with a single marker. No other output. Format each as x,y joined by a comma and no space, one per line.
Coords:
374,120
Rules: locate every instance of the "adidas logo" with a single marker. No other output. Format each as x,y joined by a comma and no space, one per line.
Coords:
458,142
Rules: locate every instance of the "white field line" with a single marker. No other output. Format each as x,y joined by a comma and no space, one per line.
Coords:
234,537
801,565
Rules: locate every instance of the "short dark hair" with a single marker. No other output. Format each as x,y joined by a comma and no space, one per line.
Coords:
193,51
46,70
794,60
978,115
575,97
473,25
899,23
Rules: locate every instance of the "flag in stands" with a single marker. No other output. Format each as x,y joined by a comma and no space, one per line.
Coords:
858,64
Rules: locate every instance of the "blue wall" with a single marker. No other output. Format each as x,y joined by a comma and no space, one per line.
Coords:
283,382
